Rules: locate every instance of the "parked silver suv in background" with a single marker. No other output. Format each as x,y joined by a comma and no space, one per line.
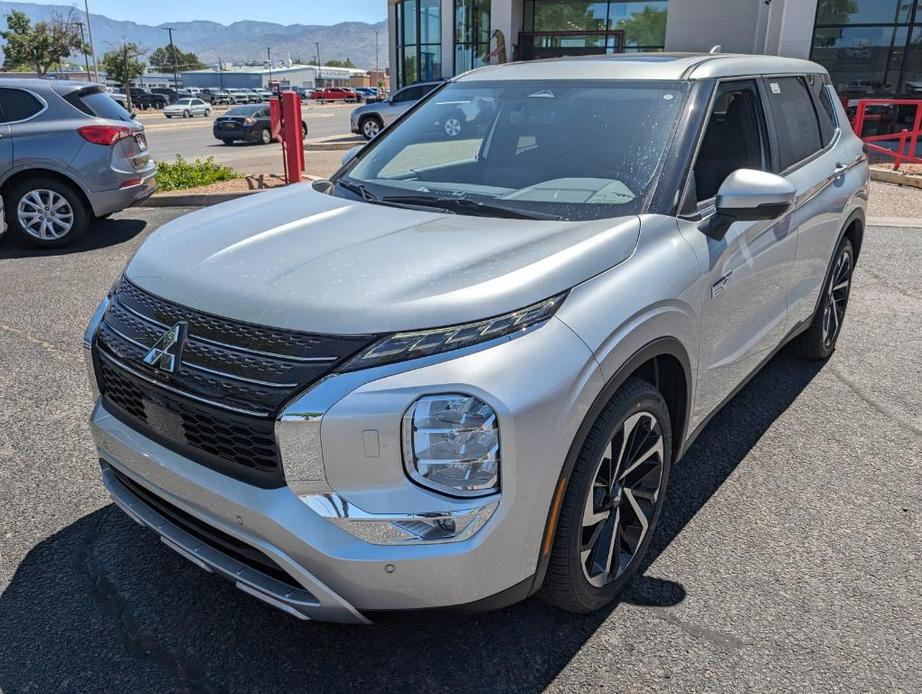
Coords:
69,153
371,119
459,373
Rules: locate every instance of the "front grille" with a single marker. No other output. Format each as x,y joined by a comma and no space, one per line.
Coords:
219,406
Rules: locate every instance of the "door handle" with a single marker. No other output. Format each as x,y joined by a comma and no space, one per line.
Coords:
840,169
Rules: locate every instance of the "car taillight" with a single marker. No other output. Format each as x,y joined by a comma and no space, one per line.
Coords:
105,135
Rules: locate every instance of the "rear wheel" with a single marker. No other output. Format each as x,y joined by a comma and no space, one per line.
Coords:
613,501
207,112
819,340
265,136
186,114
46,212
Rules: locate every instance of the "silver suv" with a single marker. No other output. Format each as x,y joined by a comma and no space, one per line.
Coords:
69,153
458,373
371,119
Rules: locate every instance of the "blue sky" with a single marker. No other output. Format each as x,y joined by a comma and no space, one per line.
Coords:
227,11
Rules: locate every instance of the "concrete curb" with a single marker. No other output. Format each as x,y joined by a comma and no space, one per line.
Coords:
195,199
896,177
903,222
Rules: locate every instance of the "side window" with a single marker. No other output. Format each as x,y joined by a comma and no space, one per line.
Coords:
16,104
795,119
824,109
734,138
411,94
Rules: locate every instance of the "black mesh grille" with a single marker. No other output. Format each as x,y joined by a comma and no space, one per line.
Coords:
219,406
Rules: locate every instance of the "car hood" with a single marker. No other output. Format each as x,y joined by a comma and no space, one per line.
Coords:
295,258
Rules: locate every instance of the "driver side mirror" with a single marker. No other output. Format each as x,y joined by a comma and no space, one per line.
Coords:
748,195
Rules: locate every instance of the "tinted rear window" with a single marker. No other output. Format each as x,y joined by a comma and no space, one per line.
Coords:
795,119
94,102
17,104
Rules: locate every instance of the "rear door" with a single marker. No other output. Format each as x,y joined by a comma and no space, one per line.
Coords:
807,134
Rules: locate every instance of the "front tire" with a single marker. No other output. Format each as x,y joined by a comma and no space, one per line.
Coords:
265,136
186,114
819,340
613,501
370,127
46,212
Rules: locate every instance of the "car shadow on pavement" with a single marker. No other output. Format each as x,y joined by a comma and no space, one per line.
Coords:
102,605
101,233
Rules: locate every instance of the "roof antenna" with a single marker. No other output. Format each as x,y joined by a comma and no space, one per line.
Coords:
715,50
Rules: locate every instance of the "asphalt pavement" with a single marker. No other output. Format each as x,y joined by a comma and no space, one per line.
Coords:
789,557
193,138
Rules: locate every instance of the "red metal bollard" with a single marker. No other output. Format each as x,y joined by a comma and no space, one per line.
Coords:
286,127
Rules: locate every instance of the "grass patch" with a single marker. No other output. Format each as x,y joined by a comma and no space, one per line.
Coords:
181,174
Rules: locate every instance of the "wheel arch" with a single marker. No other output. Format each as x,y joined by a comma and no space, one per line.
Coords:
665,363
853,230
25,174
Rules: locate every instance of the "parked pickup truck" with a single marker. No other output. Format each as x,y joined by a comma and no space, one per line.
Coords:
143,99
336,94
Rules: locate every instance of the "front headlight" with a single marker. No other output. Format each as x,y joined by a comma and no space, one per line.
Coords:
451,444
422,343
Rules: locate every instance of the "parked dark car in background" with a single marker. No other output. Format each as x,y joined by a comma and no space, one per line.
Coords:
249,123
170,94
143,99
69,153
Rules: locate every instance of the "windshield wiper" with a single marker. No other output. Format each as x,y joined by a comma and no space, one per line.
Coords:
359,190
468,206
411,204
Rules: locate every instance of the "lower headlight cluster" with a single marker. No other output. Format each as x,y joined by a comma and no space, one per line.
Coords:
451,445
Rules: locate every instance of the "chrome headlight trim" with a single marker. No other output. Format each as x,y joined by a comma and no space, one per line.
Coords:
424,528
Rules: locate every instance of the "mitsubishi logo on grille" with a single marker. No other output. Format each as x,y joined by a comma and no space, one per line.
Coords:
166,354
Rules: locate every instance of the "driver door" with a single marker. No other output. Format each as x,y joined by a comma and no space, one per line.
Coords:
744,307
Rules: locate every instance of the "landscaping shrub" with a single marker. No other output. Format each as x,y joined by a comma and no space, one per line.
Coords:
180,174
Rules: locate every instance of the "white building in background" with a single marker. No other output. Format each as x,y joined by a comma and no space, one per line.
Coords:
870,47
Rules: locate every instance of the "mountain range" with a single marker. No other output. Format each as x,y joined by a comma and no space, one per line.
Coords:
237,42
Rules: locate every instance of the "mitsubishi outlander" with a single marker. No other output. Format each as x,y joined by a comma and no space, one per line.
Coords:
458,373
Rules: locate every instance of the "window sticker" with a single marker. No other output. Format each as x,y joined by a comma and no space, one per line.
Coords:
776,89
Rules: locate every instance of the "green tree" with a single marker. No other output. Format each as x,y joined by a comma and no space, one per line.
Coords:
123,65
644,28
162,59
40,46
340,63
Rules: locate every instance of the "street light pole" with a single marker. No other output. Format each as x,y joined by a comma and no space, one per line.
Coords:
221,72
269,57
377,65
170,30
89,29
319,69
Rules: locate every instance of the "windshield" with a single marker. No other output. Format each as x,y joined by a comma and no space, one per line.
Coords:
573,149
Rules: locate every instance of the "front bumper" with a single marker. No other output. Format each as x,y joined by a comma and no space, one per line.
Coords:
310,529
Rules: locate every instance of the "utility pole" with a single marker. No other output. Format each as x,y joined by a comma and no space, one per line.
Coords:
89,28
377,67
319,69
269,56
221,72
86,56
173,53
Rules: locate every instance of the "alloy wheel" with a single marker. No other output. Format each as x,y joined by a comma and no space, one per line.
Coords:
45,214
265,136
837,298
452,126
620,505
371,128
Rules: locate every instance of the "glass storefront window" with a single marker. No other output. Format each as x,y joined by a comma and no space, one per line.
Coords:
863,11
580,27
472,34
419,36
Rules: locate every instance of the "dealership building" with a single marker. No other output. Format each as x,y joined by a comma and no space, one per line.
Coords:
870,47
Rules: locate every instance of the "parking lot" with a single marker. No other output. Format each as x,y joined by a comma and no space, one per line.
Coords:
789,557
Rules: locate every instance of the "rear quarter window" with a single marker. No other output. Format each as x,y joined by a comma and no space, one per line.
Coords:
18,104
97,103
795,119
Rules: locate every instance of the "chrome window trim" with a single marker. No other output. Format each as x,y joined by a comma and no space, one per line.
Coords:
34,115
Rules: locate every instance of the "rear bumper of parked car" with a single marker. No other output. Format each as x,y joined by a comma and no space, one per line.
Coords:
133,191
236,133
340,560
